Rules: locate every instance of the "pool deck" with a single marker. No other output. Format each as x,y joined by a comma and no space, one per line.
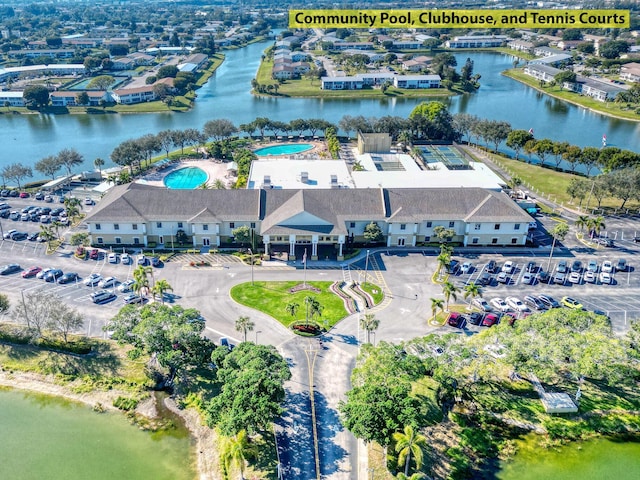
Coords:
212,168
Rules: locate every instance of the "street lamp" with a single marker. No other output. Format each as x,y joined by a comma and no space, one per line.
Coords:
257,332
366,267
251,253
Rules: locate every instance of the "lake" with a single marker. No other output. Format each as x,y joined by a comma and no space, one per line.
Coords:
597,459
28,138
49,437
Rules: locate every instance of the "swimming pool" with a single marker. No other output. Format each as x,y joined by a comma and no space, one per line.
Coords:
186,178
286,149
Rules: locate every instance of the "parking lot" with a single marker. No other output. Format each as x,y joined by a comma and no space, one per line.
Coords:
620,300
78,295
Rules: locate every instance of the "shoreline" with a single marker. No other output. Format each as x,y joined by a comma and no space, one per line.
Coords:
572,102
202,437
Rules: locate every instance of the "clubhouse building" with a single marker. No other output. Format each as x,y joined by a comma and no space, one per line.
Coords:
323,221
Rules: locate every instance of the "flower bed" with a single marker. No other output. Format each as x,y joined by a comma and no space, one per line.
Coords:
309,329
300,287
349,303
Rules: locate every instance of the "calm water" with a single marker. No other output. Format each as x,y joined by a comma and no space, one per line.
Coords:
593,460
46,437
27,138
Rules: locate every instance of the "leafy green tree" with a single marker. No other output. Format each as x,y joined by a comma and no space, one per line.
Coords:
80,238
4,303
444,234
219,129
101,82
48,166
572,156
409,443
565,76
613,49
369,323
82,98
244,324
235,450
464,123
69,158
167,71
251,380
36,95
64,320
242,234
590,158
517,139
373,233
17,172
170,335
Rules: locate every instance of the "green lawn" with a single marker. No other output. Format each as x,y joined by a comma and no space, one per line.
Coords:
612,109
553,185
273,297
374,290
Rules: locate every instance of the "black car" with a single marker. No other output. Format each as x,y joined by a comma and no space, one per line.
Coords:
548,301
11,268
5,213
53,275
491,266
4,193
534,302
155,261
531,267
68,278
33,237
543,277
475,318
14,193
484,279
19,236
576,266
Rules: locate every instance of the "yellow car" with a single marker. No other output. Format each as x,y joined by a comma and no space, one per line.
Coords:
571,303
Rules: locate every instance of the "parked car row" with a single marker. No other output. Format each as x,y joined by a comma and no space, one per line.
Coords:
125,258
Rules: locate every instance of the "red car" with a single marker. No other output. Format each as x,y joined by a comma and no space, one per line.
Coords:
94,254
31,272
24,195
489,320
457,320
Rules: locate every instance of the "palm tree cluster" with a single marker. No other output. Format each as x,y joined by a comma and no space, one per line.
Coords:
593,224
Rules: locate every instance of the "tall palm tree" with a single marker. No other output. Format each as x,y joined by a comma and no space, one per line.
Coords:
56,225
582,222
472,290
558,232
235,450
450,291
46,234
436,304
160,287
409,443
141,287
313,307
292,308
244,325
98,163
444,260
72,205
369,323
596,225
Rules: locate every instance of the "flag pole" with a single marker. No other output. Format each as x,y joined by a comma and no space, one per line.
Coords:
304,263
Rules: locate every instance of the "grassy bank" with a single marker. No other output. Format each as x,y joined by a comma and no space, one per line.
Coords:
272,298
612,109
552,184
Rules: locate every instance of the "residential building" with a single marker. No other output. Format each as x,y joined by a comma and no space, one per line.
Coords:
14,99
521,46
416,81
283,72
377,79
291,220
544,51
552,59
480,41
545,73
52,53
134,95
630,72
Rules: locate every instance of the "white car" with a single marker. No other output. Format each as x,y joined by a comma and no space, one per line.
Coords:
605,277
575,277
43,272
141,260
467,267
607,266
112,257
126,286
508,267
590,276
125,258
8,234
88,201
107,282
517,304
499,304
92,279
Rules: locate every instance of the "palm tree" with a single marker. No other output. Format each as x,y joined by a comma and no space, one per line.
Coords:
436,304
72,205
141,286
235,450
472,290
160,287
98,163
582,222
444,260
244,325
596,225
313,307
369,323
514,182
408,443
450,291
46,234
292,308
558,232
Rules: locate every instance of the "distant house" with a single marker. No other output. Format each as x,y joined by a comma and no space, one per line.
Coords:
341,83
338,45
282,72
521,46
480,41
53,53
545,73
123,63
129,96
416,81
552,59
630,72
600,91
546,51
416,64
407,45
13,99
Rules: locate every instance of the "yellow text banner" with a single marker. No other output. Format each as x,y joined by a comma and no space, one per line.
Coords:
459,18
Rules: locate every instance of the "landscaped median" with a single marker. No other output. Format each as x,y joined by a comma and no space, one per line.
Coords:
276,299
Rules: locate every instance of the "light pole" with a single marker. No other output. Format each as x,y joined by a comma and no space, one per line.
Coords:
251,253
257,332
366,267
